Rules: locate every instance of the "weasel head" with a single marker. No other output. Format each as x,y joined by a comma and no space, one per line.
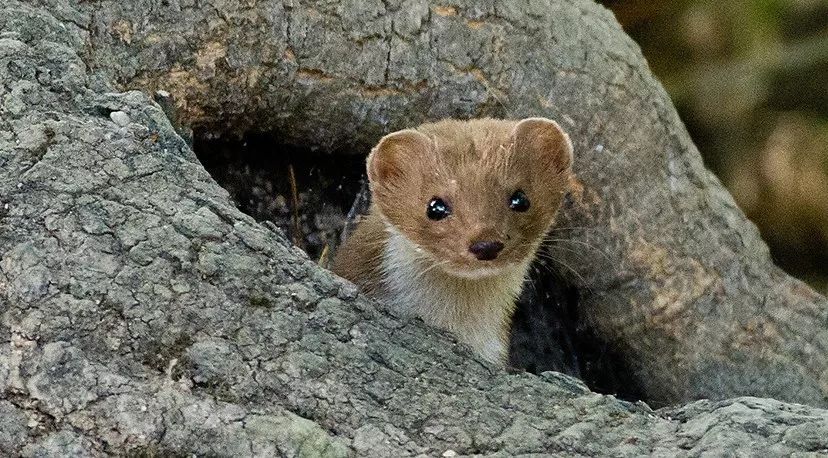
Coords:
474,197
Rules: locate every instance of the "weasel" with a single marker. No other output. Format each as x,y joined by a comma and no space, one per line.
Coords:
458,211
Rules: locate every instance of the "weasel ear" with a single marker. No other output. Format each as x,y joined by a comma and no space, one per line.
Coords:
543,141
397,154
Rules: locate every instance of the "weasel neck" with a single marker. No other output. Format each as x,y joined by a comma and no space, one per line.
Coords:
478,311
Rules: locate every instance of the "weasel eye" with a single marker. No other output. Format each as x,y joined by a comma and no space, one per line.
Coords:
519,202
437,209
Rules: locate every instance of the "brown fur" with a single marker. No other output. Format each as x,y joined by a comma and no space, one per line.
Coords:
474,166
358,259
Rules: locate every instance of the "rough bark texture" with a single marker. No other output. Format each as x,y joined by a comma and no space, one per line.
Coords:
142,312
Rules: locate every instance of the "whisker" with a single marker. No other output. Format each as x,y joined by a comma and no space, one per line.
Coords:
571,228
570,250
543,267
430,268
580,277
579,242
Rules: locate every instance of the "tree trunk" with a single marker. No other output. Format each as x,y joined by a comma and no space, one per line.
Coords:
142,312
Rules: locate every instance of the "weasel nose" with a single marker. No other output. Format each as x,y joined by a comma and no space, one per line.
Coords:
486,250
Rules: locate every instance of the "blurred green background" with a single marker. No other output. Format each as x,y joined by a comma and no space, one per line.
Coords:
750,81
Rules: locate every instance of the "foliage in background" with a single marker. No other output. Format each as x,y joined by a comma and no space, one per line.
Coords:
750,80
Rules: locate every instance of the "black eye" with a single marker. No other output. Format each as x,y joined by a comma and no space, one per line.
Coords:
519,202
437,209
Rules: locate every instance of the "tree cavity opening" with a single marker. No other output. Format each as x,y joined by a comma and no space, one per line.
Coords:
306,193
310,196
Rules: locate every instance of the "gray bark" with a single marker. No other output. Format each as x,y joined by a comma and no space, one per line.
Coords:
143,313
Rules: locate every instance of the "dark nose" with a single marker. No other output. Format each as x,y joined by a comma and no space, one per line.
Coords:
486,250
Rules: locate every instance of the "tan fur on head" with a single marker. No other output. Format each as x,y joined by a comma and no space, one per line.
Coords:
396,155
544,139
429,267
474,166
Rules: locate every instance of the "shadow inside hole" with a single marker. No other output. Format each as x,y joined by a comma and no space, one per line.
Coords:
256,169
548,332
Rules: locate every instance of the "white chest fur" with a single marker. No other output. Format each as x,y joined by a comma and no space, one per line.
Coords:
476,310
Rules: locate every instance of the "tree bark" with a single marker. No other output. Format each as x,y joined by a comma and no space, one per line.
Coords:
142,312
